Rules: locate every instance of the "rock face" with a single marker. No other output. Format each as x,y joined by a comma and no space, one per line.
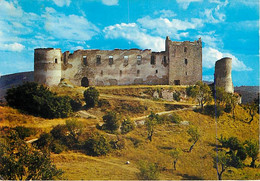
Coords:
222,74
179,64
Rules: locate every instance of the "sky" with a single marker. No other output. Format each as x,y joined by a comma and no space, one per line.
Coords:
228,28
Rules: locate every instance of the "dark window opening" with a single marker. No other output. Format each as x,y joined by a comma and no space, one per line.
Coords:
111,61
84,82
185,49
121,73
177,82
152,60
101,73
138,73
56,60
156,71
85,60
186,61
139,59
98,61
125,61
164,60
186,73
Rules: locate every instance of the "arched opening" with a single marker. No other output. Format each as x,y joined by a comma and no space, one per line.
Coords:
84,82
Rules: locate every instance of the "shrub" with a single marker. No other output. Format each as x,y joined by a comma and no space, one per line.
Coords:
213,110
111,122
148,171
75,104
127,126
23,131
44,141
103,103
91,97
176,96
39,101
228,108
57,147
175,118
97,145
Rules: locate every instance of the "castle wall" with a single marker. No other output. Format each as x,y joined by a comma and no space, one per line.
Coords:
222,74
124,70
47,66
185,62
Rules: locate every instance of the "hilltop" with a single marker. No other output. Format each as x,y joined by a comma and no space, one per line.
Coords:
137,102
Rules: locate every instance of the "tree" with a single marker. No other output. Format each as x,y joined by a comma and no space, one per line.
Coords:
74,128
39,101
127,126
201,92
252,150
252,109
97,144
21,161
148,171
221,162
232,100
91,97
221,96
150,123
111,122
194,136
175,154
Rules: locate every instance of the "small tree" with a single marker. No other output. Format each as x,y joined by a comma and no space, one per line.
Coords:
252,150
194,136
91,97
221,96
97,145
175,154
111,122
74,128
127,126
148,171
221,162
150,123
201,92
252,109
232,100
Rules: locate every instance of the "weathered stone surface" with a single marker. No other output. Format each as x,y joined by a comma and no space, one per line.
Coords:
121,67
167,95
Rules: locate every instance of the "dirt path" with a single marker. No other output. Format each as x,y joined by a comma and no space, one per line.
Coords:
85,114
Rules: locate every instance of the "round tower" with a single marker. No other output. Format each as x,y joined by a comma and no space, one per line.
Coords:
223,77
47,66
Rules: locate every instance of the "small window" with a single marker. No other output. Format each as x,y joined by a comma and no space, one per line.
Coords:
152,60
85,62
177,82
164,60
121,73
125,61
101,73
138,73
156,71
186,61
185,49
139,59
98,61
186,73
111,61
56,60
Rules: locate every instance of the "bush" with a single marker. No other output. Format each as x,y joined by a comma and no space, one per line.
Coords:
57,147
91,97
213,110
111,122
39,101
24,132
44,141
127,126
228,108
75,104
97,145
103,103
175,118
148,171
176,96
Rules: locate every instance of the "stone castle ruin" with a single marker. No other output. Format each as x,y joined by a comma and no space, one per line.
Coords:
179,64
222,74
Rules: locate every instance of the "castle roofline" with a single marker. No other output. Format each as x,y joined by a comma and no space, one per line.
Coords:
47,49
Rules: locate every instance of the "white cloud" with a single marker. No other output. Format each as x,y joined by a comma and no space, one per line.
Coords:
166,27
71,27
10,9
208,78
211,55
133,33
15,47
215,15
165,13
185,3
61,3
110,2
210,39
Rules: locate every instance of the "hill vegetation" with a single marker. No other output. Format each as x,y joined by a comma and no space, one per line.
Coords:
143,137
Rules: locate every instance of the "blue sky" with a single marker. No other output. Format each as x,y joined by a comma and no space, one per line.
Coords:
227,28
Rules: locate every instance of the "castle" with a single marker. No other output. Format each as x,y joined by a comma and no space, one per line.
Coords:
179,64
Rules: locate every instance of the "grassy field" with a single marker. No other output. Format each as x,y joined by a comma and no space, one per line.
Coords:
197,164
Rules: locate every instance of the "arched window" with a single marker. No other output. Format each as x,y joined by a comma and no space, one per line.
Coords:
111,61
138,73
56,60
84,82
185,49
85,62
186,61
